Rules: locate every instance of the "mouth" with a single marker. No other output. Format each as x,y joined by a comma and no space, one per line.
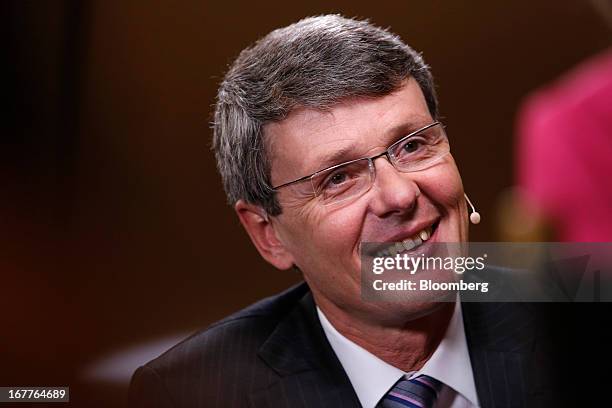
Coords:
408,244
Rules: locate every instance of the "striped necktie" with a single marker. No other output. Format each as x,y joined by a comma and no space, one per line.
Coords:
420,392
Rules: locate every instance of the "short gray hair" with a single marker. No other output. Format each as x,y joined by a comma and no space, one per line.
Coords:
315,63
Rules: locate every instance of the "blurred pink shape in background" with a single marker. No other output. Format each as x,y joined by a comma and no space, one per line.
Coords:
564,156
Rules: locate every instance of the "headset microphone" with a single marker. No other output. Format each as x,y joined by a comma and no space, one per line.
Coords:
474,216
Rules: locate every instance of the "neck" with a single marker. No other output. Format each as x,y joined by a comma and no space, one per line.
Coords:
406,343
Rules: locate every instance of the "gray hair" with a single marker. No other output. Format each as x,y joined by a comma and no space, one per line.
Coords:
315,63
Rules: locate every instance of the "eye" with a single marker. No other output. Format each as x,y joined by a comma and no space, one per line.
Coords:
411,146
342,180
337,182
337,178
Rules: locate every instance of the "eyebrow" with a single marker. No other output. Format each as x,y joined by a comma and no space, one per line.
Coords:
344,154
405,129
330,159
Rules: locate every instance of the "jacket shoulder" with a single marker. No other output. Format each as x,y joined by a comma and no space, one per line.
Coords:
212,361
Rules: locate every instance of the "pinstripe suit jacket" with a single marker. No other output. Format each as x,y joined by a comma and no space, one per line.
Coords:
275,354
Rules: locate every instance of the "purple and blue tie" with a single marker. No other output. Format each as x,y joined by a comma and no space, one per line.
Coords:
420,392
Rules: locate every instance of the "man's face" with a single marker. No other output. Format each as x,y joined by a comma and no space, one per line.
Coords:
324,241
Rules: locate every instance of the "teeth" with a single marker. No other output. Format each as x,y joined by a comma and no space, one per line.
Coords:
407,244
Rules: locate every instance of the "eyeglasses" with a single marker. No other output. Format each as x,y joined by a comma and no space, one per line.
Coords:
417,151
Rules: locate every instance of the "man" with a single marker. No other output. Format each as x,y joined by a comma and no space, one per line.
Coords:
319,135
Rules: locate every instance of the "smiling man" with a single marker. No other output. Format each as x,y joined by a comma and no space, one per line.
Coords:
327,137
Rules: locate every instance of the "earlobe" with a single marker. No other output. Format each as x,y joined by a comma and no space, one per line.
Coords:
263,234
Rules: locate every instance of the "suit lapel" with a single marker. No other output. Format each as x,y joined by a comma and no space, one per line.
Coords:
308,371
501,338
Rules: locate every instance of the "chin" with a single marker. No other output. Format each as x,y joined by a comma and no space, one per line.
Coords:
394,313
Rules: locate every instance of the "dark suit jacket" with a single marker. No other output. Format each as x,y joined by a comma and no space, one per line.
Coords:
275,354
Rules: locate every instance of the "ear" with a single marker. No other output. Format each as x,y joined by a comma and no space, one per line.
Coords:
263,234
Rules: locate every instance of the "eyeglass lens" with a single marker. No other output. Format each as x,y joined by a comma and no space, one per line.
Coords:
350,180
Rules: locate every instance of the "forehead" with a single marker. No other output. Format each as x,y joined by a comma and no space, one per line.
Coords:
309,140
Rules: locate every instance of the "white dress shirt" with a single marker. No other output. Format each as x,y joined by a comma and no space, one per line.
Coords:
371,377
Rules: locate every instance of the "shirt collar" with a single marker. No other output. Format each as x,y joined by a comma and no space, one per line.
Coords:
372,377
450,363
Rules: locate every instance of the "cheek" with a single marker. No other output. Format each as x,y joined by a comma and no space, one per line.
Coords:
444,187
321,237
343,229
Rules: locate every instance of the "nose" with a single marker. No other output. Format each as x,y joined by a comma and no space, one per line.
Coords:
394,192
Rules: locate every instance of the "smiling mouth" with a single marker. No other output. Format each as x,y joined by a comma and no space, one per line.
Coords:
407,244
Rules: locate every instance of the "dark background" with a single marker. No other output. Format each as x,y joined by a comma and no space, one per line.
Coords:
114,229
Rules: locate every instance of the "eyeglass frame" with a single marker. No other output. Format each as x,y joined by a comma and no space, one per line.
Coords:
387,153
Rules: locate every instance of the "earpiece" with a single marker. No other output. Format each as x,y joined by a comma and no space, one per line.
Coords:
474,216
